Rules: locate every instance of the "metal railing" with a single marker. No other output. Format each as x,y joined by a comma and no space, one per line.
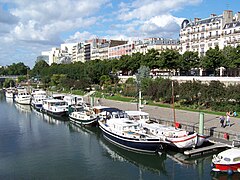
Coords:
207,131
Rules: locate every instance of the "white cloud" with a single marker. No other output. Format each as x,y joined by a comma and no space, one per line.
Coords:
80,37
163,26
145,9
46,23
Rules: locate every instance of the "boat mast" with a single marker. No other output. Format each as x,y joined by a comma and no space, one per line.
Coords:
173,107
140,103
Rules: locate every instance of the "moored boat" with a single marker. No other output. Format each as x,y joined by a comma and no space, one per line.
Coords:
118,129
55,107
73,100
23,97
84,117
227,161
37,99
9,93
176,137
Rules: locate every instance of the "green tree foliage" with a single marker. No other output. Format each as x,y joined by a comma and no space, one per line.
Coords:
213,59
39,66
189,60
151,59
190,91
9,83
170,59
15,69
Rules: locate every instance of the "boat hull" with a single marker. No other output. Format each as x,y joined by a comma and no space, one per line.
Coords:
56,114
201,139
183,142
144,146
37,106
88,122
23,101
227,167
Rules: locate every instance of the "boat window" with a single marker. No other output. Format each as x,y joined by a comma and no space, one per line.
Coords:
227,159
236,159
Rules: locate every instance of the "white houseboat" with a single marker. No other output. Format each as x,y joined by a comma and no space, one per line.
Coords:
177,137
55,107
23,97
37,99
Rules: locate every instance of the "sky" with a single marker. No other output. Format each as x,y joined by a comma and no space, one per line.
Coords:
28,27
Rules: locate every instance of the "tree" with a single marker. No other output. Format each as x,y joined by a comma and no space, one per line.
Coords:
213,59
9,83
17,69
150,59
189,60
105,80
170,59
39,66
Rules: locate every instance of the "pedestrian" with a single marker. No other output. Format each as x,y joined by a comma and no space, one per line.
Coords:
235,114
99,103
228,119
222,119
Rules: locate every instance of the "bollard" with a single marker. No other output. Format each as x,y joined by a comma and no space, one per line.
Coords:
201,123
92,101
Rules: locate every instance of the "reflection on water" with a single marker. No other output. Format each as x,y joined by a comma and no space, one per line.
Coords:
9,100
154,162
86,130
50,119
23,108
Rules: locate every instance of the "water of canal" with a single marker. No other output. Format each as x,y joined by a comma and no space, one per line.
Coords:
36,146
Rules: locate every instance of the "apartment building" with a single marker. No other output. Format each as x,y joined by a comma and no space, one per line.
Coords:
159,44
116,52
202,34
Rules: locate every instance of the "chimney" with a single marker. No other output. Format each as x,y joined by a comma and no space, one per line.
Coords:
238,16
227,16
196,19
213,15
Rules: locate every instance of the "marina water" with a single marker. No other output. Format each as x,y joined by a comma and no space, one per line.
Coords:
36,146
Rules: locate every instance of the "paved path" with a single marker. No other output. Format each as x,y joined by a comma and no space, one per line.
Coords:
182,116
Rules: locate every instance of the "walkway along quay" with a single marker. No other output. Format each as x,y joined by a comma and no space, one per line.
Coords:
189,120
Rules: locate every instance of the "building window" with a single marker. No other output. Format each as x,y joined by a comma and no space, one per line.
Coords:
216,33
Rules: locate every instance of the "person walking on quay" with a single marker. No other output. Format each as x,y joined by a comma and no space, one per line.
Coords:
228,119
222,119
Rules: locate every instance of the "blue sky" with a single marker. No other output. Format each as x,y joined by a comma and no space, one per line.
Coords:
29,27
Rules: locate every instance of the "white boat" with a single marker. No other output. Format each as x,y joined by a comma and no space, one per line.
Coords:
177,137
9,93
23,97
55,107
120,130
73,100
37,99
227,161
84,117
58,96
